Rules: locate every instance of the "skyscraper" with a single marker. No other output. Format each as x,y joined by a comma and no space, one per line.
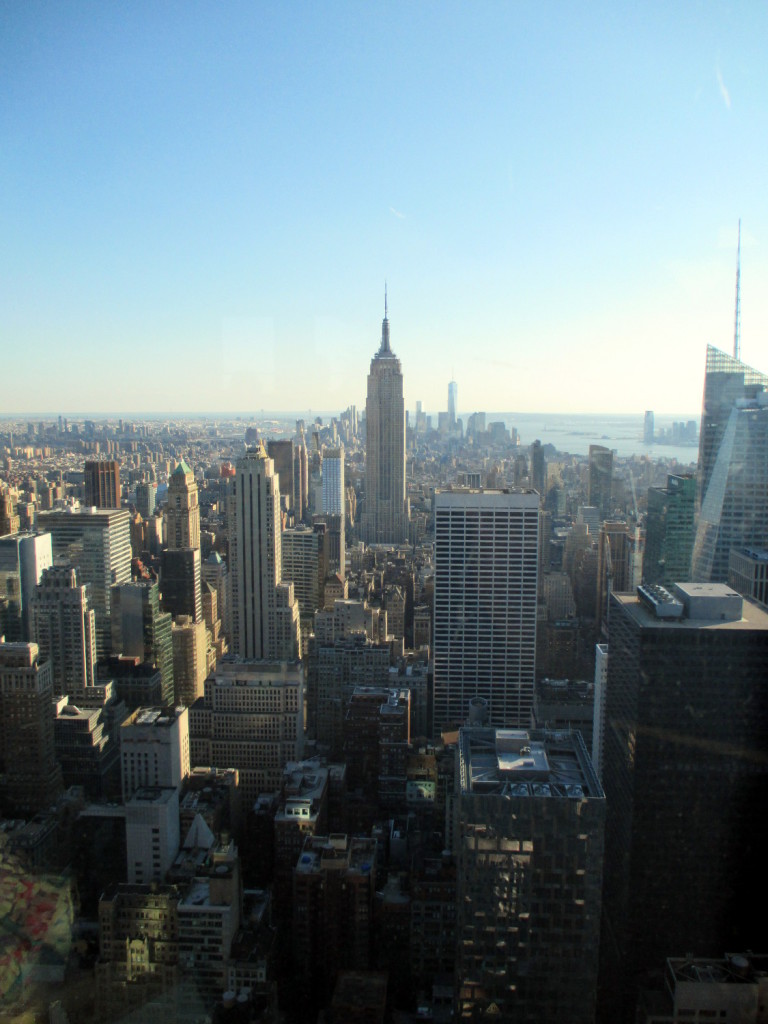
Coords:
102,483
180,582
146,495
669,530
64,627
98,543
685,776
302,562
282,454
30,776
648,427
732,498
529,826
726,381
140,630
182,514
453,394
486,551
385,520
264,623
23,559
538,469
333,482
600,478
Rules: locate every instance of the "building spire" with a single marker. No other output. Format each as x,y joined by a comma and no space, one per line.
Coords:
385,349
737,317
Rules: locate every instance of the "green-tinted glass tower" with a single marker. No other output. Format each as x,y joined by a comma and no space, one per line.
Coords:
669,530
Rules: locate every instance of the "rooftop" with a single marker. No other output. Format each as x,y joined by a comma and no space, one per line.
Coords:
706,606
161,718
523,763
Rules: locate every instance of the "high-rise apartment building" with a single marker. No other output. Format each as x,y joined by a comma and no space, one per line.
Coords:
30,775
385,520
102,483
97,542
529,823
64,628
685,777
669,530
486,549
600,478
265,620
182,513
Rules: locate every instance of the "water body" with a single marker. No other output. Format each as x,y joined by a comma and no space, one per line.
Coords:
574,433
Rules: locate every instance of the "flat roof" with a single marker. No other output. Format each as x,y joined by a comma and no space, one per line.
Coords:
526,763
752,617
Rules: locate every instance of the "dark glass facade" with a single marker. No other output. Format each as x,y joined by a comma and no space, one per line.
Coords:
686,783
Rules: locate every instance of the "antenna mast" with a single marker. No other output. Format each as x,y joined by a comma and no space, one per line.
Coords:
737,318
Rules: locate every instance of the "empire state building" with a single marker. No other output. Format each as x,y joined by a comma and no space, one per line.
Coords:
385,519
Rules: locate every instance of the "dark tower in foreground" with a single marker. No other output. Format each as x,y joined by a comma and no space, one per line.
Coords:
529,823
685,777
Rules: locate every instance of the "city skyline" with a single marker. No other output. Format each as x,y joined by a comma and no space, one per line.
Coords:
220,194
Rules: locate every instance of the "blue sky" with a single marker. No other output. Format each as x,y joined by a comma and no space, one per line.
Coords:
199,203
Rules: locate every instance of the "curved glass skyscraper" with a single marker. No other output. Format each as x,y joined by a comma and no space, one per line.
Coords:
732,476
